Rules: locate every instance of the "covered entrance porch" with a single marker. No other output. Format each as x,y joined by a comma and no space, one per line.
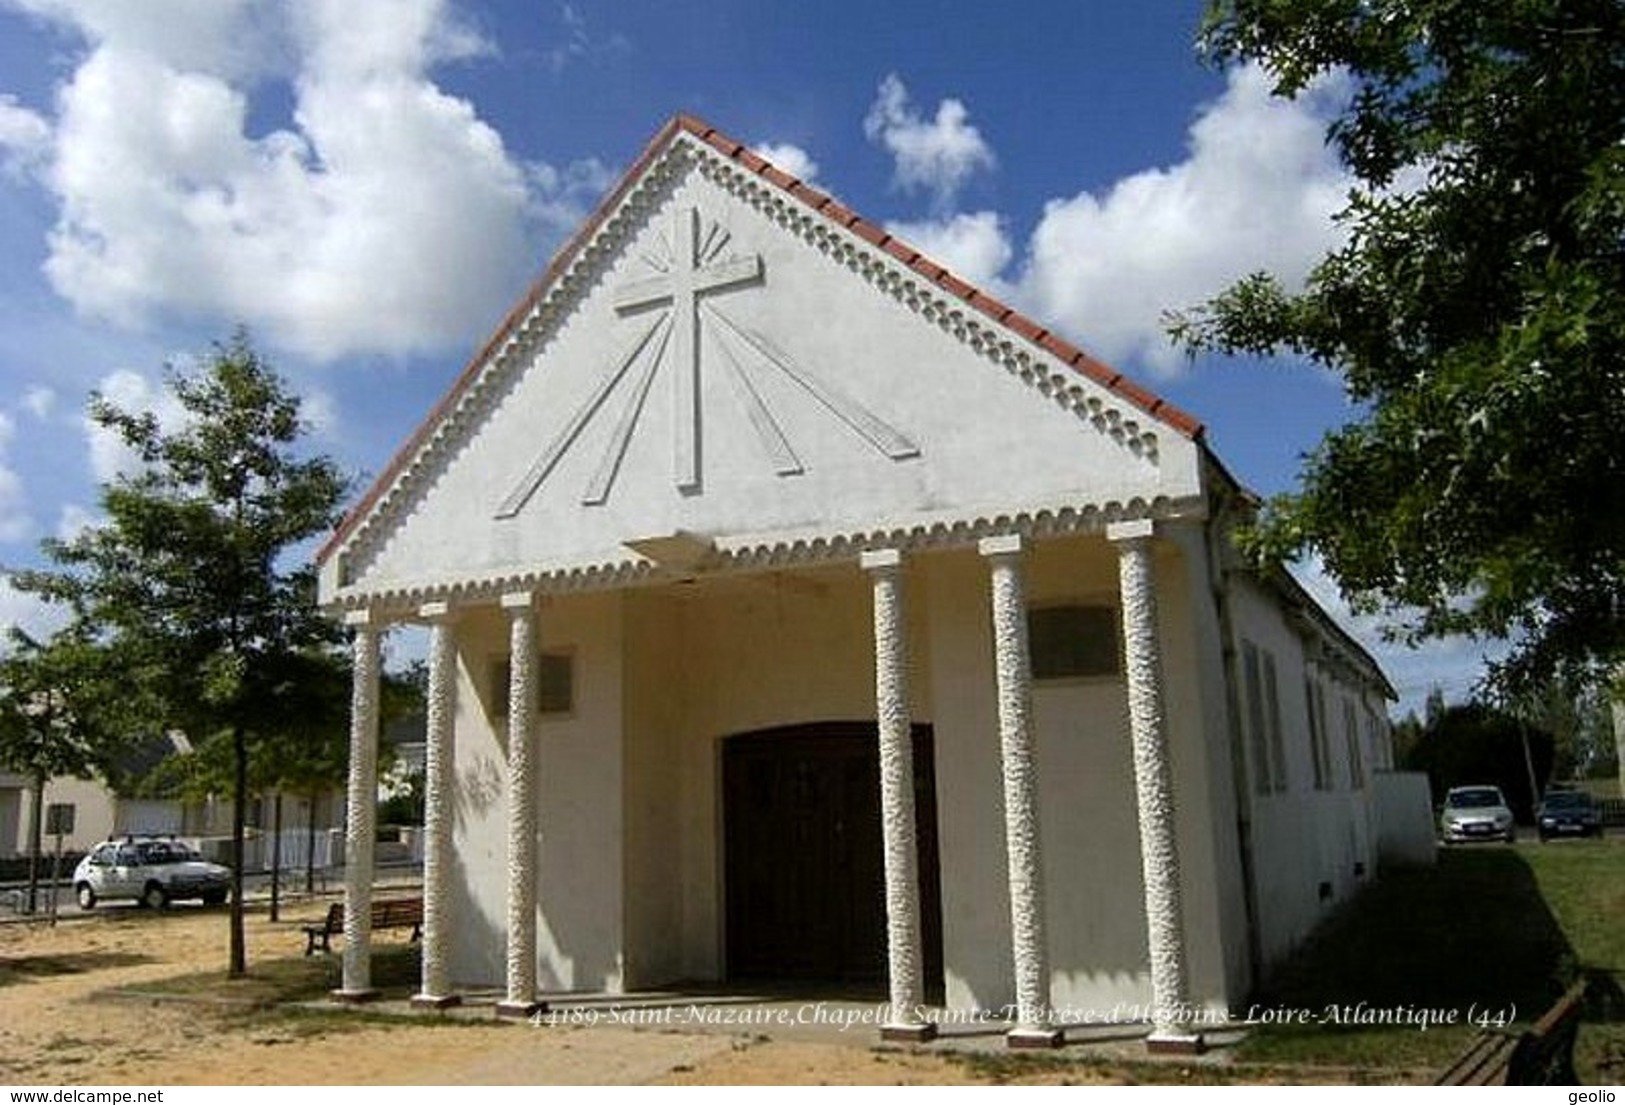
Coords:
614,779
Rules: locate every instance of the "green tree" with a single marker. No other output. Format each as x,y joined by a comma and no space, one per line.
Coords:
1475,742
1476,313
61,701
192,567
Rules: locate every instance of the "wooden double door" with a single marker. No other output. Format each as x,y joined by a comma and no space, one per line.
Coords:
803,863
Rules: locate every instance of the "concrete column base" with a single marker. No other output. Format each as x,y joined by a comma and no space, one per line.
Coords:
1175,1043
520,1010
1034,1038
921,1033
436,1001
353,997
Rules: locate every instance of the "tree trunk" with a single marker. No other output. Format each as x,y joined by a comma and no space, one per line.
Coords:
310,844
36,826
239,952
276,856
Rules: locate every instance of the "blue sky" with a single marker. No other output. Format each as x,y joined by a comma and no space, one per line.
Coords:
368,185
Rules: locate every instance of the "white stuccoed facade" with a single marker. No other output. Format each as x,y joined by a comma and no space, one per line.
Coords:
740,462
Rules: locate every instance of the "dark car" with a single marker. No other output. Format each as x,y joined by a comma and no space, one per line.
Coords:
1567,813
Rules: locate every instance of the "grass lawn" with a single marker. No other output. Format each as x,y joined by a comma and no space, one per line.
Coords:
1491,934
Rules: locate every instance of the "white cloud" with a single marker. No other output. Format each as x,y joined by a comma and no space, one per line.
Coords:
976,246
791,158
937,155
30,613
234,37
15,522
333,235
561,199
25,138
133,393
577,41
320,411
1257,191
40,401
73,521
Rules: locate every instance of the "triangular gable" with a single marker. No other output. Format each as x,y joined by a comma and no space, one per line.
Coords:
673,272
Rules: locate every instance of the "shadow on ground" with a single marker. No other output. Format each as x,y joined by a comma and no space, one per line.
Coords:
1474,932
15,969
1470,944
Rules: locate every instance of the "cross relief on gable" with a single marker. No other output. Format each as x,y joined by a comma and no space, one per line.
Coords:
692,275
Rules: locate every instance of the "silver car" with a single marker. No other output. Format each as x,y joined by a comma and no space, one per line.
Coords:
151,870
1476,813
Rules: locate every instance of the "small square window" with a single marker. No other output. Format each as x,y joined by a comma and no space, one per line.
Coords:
555,684
1070,642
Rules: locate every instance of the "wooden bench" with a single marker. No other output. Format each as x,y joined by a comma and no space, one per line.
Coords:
1542,1055
389,913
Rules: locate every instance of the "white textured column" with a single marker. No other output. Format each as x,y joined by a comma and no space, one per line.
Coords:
361,814
1013,668
1154,792
904,960
522,661
439,738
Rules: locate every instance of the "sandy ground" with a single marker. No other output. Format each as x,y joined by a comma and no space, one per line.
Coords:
60,1025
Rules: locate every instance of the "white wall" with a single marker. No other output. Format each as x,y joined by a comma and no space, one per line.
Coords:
579,932
1406,833
94,808
1312,848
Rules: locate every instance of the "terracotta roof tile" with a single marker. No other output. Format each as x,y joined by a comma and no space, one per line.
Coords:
809,195
989,306
1025,326
868,231
900,250
953,285
780,177
835,210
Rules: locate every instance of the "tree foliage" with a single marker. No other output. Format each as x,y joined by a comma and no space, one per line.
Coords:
65,709
1475,312
56,697
1478,743
190,571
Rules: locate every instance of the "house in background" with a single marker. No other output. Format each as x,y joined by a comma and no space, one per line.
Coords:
799,611
100,812
95,813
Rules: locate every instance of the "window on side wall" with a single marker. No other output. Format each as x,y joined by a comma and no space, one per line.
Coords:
1315,697
1266,742
1272,709
1351,734
1257,732
1073,642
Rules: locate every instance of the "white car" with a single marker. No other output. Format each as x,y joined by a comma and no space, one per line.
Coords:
151,870
1476,813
